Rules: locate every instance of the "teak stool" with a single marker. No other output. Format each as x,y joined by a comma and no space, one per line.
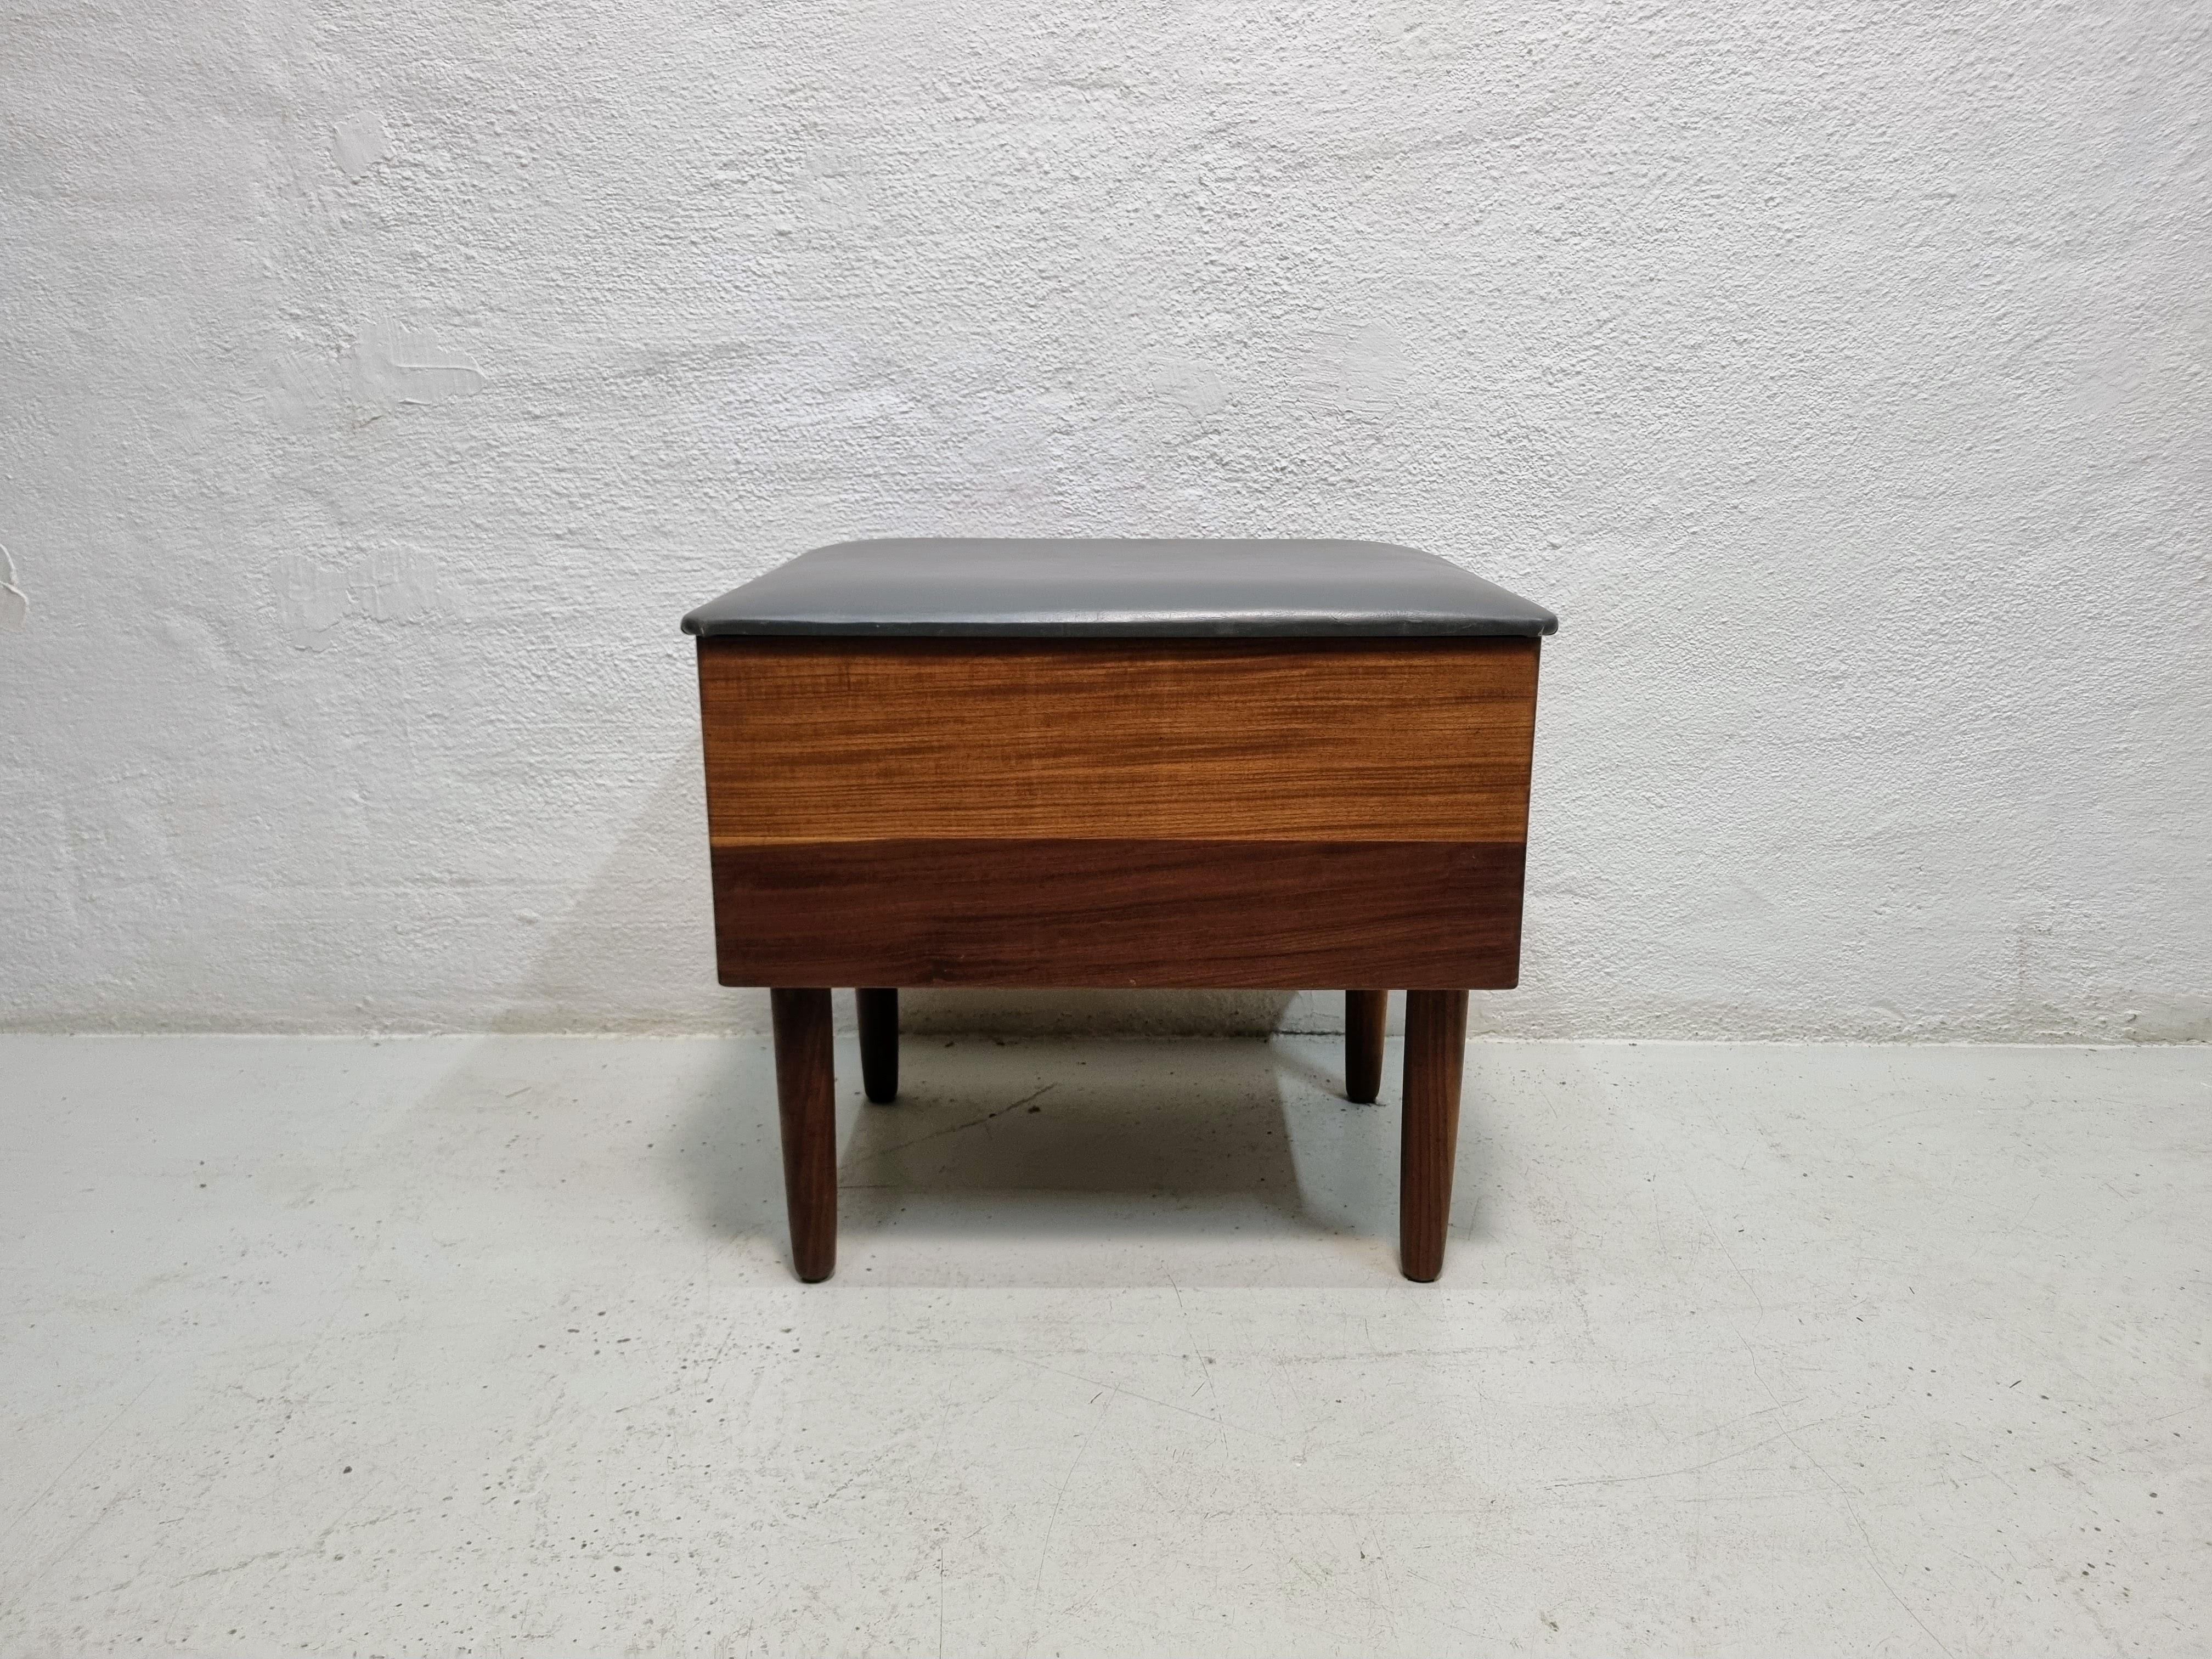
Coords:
1258,764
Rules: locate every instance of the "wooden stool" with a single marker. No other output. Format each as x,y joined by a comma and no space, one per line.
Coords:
1257,764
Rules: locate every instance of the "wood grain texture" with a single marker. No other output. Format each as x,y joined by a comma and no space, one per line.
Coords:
878,1009
861,739
1255,914
1428,1135
1365,1014
806,1105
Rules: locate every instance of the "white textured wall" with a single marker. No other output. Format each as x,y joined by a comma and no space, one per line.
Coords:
382,382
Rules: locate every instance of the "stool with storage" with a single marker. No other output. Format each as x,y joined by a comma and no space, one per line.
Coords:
1260,764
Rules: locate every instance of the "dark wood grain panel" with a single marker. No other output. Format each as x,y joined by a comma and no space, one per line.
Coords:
1234,739
1082,913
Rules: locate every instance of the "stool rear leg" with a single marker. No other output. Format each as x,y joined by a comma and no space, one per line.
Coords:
1365,1013
878,1012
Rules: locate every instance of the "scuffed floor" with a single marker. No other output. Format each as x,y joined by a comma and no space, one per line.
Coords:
486,1347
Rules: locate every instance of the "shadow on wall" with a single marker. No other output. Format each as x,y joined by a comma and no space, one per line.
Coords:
634,953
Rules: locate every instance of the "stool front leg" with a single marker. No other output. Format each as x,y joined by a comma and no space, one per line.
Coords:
878,1012
1428,1142
806,1103
1365,1013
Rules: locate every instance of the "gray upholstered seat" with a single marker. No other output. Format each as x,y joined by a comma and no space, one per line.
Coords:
1128,588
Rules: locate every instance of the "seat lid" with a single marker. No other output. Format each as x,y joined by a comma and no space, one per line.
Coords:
1158,586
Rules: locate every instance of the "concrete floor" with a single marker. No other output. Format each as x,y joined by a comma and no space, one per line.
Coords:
487,1346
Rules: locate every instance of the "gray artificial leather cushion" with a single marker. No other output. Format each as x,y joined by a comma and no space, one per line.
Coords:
956,585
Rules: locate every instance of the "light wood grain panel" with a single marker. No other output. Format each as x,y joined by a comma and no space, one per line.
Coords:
846,740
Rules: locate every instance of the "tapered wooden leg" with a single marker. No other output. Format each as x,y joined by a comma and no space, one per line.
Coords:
806,1101
1365,1013
1428,1136
878,1011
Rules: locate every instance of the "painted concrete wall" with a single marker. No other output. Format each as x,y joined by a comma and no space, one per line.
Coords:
382,382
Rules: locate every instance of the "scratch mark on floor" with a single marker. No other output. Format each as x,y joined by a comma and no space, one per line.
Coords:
973,1123
1874,1559
1045,1554
1662,1474
23,1514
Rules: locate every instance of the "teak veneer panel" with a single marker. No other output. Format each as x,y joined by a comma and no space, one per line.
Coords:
1120,913
813,740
